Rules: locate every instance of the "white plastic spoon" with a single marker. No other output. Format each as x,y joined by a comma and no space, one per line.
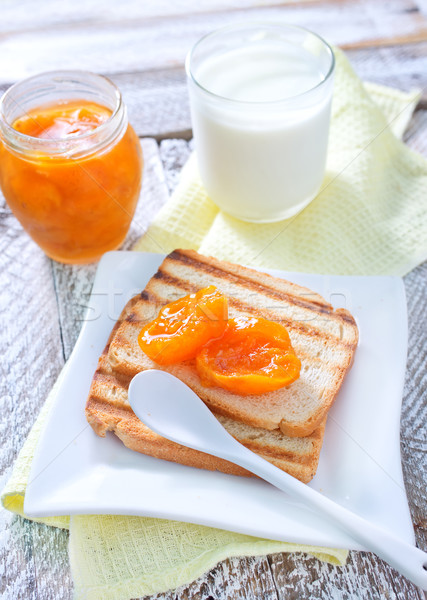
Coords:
170,408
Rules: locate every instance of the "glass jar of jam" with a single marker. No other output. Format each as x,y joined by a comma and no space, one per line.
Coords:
70,163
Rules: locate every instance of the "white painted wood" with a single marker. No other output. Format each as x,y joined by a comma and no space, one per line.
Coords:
233,579
174,155
72,13
31,358
416,136
139,44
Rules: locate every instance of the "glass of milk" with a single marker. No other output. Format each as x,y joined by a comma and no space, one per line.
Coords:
260,96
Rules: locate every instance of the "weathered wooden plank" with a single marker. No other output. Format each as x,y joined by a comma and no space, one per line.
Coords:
31,350
22,18
133,44
174,154
402,67
233,579
363,578
416,134
18,574
414,409
52,568
395,40
415,401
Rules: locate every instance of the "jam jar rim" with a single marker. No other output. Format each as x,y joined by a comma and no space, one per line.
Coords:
21,143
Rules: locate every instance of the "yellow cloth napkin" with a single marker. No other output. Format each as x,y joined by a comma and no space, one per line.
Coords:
370,218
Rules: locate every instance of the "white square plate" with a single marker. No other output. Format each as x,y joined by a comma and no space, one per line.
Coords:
76,472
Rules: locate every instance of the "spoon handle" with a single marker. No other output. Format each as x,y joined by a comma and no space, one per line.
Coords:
407,559
183,418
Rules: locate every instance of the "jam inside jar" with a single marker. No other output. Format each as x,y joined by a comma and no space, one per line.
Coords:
70,163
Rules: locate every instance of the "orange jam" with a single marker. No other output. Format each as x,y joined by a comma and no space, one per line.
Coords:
247,355
73,194
184,326
254,356
62,120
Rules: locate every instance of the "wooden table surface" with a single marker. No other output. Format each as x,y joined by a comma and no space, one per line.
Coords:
141,46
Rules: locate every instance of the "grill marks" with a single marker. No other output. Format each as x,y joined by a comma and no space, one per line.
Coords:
302,327
181,256
317,306
138,320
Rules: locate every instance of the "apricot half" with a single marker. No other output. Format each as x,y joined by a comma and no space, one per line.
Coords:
184,326
253,356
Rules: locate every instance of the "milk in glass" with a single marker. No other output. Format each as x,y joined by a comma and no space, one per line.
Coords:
260,105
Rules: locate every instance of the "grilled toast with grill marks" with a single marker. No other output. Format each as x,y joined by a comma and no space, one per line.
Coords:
323,338
108,409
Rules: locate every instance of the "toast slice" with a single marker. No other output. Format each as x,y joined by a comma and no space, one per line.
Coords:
323,338
107,409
